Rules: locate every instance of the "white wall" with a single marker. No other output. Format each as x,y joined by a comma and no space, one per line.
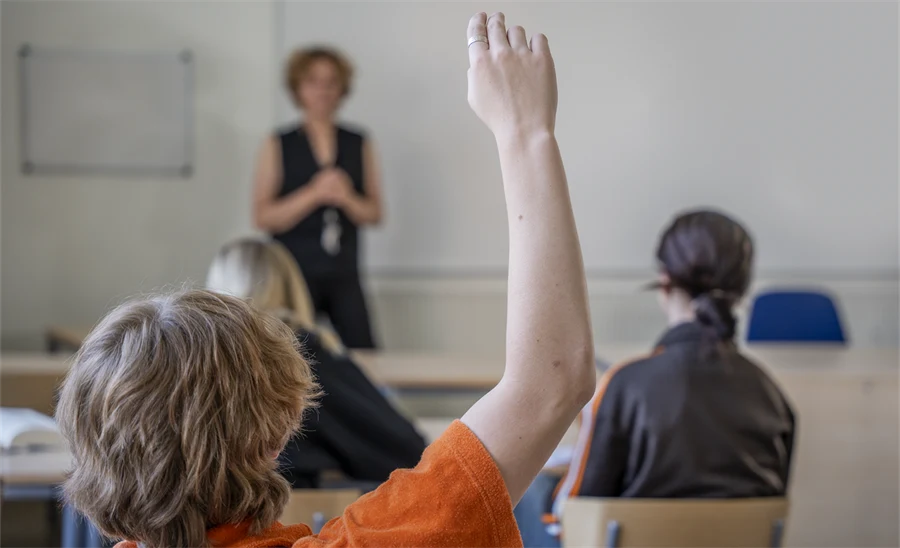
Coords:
73,246
467,315
783,113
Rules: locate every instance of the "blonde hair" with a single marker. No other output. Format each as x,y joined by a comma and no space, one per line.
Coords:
174,409
265,273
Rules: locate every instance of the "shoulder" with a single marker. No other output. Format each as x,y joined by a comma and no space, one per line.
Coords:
638,370
286,131
766,383
352,133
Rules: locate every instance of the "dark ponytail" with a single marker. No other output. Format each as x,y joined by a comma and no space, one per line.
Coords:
709,256
713,310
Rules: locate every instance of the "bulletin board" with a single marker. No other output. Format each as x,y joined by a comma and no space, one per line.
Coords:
85,112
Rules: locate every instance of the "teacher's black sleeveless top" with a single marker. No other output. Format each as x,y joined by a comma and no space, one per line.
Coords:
304,240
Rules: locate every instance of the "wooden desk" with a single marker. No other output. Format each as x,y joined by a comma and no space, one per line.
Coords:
31,380
34,468
415,370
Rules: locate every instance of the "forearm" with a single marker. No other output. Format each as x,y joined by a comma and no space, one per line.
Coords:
284,213
362,210
549,356
548,334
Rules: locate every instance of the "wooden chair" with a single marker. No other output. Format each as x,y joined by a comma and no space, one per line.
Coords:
315,507
674,523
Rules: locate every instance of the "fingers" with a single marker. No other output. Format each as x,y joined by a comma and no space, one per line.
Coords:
477,28
496,25
539,44
516,37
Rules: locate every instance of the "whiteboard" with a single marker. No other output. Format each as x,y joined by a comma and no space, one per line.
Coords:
784,114
98,112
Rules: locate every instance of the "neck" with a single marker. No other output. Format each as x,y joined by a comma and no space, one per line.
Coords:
319,123
680,309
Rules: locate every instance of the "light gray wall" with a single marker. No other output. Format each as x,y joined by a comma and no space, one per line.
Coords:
782,113
73,246
467,316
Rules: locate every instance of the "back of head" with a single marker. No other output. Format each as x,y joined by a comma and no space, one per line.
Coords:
265,273
174,410
709,256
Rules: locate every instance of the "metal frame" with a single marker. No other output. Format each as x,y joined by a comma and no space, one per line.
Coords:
777,533
613,529
186,57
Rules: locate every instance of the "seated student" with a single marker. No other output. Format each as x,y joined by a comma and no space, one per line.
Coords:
176,406
355,429
695,418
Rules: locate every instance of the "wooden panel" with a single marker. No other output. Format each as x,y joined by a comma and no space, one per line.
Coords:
672,523
36,391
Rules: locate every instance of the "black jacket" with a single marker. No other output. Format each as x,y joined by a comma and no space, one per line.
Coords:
354,429
692,420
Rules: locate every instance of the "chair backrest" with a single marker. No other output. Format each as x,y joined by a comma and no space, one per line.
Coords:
673,523
316,506
795,316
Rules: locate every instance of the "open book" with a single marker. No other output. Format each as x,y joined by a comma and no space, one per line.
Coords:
22,428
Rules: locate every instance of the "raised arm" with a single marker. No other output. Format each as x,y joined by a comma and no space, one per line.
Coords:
271,213
549,373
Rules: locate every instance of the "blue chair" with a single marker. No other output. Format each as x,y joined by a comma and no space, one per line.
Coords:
795,316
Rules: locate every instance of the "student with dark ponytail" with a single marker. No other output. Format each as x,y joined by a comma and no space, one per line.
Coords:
705,260
695,418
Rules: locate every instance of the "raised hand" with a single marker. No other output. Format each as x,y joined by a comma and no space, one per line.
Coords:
549,372
512,81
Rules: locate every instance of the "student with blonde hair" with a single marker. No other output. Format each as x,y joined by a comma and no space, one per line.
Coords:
267,274
176,406
355,429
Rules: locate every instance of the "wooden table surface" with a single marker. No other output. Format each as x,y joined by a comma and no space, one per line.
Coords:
402,369
47,468
434,371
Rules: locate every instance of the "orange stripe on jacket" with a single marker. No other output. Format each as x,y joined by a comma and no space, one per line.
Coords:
570,485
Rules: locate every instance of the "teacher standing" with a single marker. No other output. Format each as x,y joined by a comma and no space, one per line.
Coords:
316,183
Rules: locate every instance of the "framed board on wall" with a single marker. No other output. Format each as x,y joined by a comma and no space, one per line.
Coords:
87,112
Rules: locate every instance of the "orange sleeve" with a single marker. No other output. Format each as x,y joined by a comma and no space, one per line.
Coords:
454,497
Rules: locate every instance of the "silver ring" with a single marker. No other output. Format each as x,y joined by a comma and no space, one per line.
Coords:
477,38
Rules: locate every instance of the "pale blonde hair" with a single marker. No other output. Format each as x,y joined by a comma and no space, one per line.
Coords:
266,274
174,409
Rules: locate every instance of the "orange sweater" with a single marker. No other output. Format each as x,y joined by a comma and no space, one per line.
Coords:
454,497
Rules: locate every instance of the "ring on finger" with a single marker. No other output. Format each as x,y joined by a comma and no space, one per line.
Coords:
477,38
